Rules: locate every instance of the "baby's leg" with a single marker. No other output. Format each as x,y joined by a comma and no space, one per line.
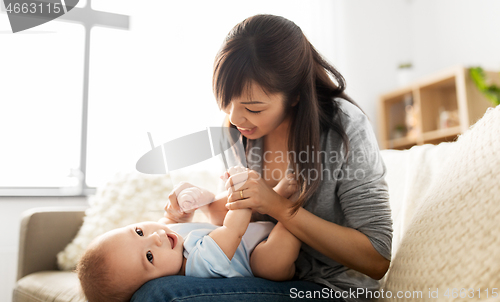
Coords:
287,186
274,258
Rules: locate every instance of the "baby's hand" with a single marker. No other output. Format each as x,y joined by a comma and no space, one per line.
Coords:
287,186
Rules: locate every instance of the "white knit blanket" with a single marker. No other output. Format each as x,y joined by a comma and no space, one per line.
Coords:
409,176
450,247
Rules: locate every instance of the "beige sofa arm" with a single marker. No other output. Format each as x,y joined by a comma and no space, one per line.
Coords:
44,233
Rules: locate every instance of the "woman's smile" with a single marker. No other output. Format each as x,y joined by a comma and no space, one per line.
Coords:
247,131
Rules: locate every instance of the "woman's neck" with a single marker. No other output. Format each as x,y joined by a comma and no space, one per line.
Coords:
278,138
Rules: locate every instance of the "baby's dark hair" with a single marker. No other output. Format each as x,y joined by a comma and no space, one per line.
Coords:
98,281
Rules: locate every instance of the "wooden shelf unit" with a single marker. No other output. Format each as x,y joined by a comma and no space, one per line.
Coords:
451,89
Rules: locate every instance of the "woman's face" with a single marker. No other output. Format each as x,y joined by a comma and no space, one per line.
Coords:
257,113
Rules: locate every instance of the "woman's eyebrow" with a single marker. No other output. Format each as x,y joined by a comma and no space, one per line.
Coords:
252,102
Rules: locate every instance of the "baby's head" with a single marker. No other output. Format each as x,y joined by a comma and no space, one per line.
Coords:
118,262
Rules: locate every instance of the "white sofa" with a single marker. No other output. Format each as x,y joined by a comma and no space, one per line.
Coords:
445,202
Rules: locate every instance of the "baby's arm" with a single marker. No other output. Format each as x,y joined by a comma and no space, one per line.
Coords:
216,211
235,222
228,236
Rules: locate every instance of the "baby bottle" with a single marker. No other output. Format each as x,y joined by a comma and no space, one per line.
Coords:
194,197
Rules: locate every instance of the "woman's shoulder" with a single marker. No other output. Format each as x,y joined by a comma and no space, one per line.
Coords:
350,116
357,127
349,109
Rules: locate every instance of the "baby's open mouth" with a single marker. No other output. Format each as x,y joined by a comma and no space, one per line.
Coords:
173,240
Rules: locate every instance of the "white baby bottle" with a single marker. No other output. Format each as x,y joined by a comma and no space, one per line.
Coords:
194,197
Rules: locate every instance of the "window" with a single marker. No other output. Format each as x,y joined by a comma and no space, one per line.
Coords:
40,105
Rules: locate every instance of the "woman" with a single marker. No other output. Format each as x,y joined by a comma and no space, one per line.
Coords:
278,92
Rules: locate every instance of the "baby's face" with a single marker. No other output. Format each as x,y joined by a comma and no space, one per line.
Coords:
144,251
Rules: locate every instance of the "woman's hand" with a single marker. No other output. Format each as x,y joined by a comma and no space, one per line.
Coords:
172,210
247,190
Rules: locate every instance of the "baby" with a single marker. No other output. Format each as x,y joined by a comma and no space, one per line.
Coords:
120,261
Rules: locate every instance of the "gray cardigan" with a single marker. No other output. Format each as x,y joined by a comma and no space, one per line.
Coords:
354,195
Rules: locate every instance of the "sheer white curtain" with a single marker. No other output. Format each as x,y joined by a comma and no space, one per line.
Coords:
155,78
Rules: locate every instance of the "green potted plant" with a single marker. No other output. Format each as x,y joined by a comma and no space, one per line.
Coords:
404,73
492,92
399,131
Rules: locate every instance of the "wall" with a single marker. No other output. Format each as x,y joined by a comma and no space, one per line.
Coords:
450,32
375,36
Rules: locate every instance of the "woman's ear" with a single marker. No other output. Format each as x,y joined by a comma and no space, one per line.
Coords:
296,101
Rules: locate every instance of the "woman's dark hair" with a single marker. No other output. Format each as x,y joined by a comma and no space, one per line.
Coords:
274,53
